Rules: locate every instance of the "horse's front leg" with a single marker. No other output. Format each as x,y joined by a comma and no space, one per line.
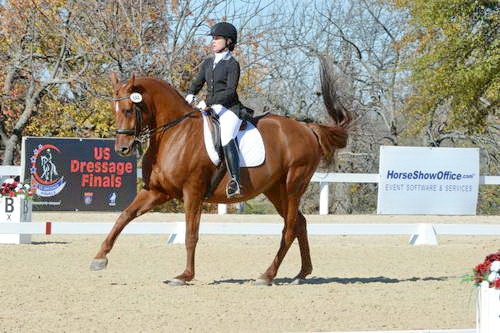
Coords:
192,206
143,202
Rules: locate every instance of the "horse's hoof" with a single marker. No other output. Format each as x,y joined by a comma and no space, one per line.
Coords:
297,282
98,264
262,282
176,283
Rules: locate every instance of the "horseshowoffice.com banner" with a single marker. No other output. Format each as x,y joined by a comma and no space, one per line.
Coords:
424,180
71,174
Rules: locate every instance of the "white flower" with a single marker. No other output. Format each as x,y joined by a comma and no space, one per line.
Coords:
495,266
27,186
19,186
493,276
9,181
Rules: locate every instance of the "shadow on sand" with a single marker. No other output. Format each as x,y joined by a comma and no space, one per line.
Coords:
48,243
320,280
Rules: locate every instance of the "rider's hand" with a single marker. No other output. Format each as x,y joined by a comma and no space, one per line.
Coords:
202,105
190,98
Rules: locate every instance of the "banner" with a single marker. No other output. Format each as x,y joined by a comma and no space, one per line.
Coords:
78,174
422,180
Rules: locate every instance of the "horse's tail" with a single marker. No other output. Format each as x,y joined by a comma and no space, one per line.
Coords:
331,137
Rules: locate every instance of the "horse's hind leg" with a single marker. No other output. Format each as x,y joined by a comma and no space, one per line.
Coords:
305,255
143,202
295,226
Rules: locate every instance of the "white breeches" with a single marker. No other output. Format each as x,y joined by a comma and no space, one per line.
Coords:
229,123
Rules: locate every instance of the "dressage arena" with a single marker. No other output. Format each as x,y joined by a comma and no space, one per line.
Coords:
359,283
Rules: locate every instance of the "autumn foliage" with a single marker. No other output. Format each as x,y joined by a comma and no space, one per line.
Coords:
452,49
56,56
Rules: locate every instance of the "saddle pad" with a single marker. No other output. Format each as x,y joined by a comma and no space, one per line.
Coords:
251,146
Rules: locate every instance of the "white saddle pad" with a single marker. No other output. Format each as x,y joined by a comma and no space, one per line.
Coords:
251,146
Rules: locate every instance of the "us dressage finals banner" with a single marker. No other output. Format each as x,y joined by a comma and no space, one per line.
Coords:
422,180
74,174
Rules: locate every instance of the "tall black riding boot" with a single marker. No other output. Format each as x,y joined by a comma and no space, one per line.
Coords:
233,165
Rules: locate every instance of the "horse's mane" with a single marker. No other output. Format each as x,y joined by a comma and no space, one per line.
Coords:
163,83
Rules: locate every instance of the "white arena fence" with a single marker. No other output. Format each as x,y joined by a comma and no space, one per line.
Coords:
322,178
325,178
420,234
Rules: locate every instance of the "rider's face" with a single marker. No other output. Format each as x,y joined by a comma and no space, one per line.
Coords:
218,43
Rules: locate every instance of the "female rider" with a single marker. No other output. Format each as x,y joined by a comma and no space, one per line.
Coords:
221,72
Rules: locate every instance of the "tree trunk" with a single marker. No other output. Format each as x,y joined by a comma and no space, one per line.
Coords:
10,149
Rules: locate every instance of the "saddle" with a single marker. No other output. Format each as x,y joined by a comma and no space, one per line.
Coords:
246,115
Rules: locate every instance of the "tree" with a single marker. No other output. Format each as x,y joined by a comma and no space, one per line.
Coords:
452,51
36,55
55,57
358,37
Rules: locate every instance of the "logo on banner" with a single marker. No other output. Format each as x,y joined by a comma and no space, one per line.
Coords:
45,177
112,199
87,197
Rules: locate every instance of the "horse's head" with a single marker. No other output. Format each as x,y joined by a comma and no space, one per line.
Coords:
130,109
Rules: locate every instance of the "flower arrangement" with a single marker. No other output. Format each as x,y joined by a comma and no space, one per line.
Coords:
13,188
488,270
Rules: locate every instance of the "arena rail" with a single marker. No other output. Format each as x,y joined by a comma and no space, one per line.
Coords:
322,178
420,234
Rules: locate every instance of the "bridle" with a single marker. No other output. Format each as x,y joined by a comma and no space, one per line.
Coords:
142,134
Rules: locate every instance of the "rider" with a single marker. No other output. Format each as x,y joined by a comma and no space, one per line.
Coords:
221,72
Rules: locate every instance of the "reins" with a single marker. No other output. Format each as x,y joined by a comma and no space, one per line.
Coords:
140,135
147,133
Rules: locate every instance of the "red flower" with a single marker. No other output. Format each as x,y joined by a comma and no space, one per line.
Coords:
493,257
496,284
12,194
483,268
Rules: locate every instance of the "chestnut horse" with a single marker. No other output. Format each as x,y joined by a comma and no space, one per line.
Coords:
176,164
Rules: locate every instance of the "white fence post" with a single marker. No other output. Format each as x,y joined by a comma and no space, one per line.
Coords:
323,198
15,210
222,209
488,309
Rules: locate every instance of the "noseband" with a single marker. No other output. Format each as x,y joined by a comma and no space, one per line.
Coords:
142,134
137,107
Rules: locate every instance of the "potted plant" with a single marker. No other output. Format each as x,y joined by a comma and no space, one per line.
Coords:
486,277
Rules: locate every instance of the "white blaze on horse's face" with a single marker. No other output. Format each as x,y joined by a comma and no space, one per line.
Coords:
117,108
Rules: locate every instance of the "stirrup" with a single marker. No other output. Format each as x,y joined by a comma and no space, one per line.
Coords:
233,189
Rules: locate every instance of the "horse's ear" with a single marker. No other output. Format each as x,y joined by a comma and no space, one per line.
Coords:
114,79
130,82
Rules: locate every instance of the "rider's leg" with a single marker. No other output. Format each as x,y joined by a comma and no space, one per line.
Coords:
230,124
233,165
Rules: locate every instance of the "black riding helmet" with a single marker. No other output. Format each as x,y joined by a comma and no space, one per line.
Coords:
226,30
